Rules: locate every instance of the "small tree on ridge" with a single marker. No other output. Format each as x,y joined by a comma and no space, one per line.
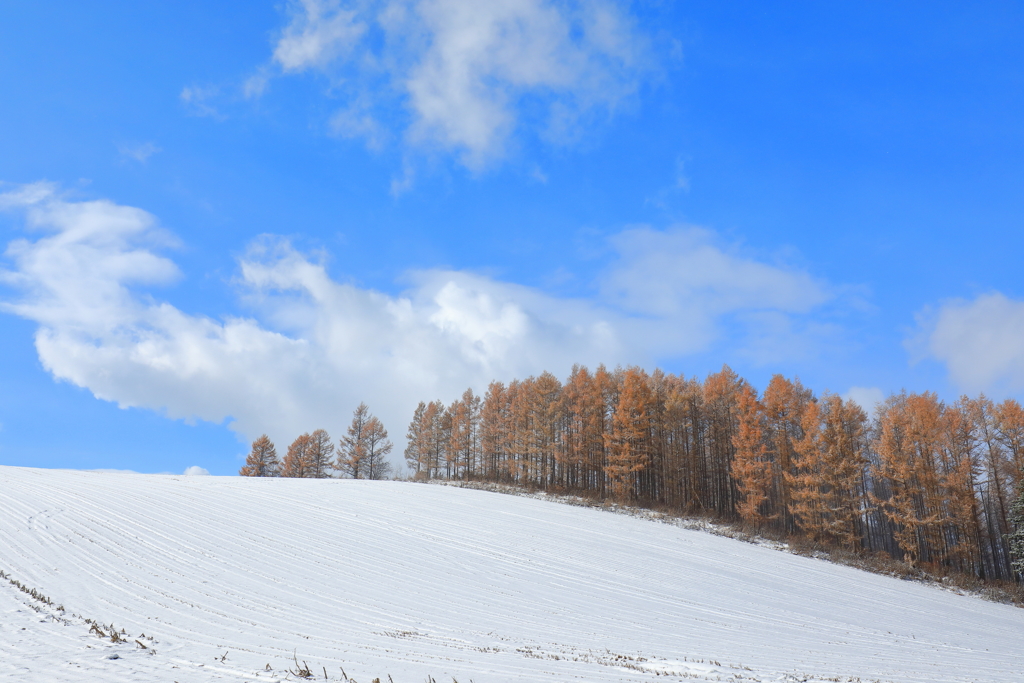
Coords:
262,460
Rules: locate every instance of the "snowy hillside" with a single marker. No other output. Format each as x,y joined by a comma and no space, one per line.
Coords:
411,581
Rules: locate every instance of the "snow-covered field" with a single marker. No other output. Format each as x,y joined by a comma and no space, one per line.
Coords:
411,581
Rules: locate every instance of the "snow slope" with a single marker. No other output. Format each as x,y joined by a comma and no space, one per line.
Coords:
411,581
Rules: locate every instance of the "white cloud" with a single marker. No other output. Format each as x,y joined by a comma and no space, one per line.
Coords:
316,347
256,85
981,342
195,471
358,121
683,275
197,100
682,180
140,153
463,68
866,397
320,32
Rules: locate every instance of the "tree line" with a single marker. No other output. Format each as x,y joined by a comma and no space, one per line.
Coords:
924,481
362,453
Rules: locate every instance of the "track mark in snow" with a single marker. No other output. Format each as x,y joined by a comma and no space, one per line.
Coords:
414,581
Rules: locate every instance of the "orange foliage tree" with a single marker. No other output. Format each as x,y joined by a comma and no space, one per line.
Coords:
296,461
262,460
751,468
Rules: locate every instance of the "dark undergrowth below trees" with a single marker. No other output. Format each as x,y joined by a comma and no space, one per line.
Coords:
877,562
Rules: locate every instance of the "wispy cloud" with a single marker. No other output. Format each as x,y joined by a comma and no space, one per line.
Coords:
198,101
320,32
139,153
459,70
682,180
315,347
256,84
979,341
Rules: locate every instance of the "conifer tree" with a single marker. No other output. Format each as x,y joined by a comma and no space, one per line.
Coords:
415,440
720,392
353,449
998,467
262,460
750,466
1010,430
784,403
542,437
517,464
828,470
435,437
907,443
1015,538
494,431
458,438
470,433
376,448
296,461
318,454
629,441
961,469
605,394
583,406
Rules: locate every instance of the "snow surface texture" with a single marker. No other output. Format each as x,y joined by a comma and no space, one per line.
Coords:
411,581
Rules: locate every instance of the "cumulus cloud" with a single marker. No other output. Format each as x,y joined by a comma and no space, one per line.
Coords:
463,69
314,348
980,341
196,470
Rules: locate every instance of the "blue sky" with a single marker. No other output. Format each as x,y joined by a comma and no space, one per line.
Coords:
222,219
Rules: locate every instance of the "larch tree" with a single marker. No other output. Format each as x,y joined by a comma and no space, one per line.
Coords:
751,467
318,455
296,461
1010,428
784,402
658,478
494,431
436,437
459,438
262,460
517,464
605,394
424,449
676,443
353,449
376,448
583,449
688,438
543,409
827,480
629,440
907,443
1015,539
416,448
465,434
718,412
960,469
